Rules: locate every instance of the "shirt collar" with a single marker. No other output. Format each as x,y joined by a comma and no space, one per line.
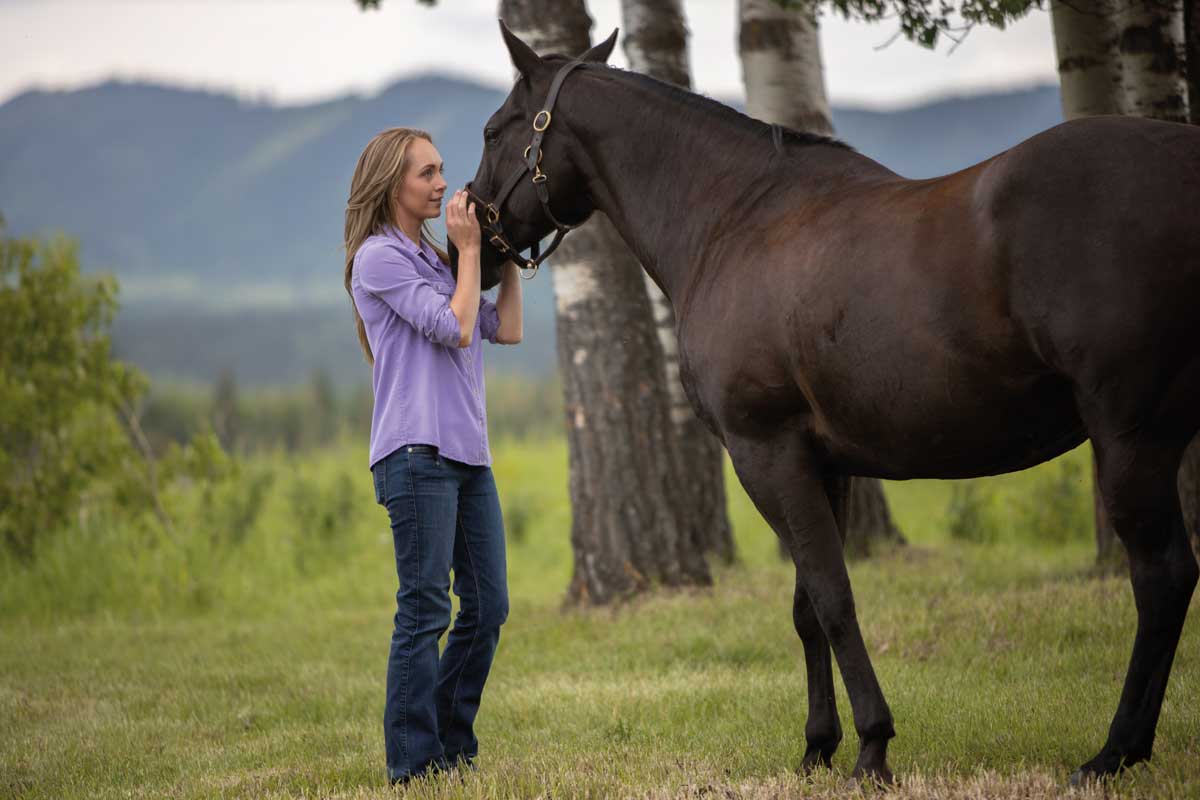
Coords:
409,245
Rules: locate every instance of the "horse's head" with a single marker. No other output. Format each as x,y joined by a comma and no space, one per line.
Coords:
528,184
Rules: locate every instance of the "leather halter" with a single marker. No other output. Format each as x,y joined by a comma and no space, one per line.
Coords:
532,163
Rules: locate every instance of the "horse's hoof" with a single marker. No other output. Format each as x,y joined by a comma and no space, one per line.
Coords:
816,758
878,777
1103,767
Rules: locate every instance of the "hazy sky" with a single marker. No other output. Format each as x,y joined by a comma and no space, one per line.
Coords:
295,51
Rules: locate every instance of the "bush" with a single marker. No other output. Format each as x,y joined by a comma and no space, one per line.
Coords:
63,395
969,515
1058,509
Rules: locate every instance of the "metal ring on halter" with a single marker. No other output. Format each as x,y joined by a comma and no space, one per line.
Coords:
545,125
540,153
532,269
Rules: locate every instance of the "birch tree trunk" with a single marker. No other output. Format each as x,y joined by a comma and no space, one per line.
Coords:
1150,38
1089,65
780,50
1191,33
1090,79
626,508
656,45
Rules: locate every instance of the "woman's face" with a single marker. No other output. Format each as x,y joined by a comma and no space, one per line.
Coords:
422,187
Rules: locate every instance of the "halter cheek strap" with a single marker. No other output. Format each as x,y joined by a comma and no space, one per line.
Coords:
532,164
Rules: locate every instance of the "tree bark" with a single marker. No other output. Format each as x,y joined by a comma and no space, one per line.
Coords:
780,50
656,45
1191,25
626,532
870,519
1091,79
1151,41
1089,65
626,504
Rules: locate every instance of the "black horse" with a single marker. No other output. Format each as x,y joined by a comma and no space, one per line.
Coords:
836,319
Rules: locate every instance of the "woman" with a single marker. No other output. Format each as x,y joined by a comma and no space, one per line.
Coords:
421,331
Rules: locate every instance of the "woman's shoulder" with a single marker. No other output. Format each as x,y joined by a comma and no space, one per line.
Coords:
378,244
379,251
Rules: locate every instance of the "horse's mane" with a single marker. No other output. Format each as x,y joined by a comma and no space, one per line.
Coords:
707,106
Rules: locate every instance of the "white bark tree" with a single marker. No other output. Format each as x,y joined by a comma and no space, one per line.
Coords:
656,45
780,50
1150,38
1089,64
627,527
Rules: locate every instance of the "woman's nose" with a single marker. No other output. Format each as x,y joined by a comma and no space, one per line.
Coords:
441,183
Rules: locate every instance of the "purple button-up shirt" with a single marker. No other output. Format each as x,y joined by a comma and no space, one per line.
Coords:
428,390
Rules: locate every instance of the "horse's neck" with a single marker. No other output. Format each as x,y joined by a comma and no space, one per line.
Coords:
671,176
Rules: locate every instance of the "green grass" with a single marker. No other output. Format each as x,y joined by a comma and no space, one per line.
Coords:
1002,662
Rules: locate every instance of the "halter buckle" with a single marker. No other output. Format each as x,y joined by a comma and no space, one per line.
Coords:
493,214
497,241
545,124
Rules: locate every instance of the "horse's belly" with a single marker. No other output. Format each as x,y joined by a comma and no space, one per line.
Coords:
982,428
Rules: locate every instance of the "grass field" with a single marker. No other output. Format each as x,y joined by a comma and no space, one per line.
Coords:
261,673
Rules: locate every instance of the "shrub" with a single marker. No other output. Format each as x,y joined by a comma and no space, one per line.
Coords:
1058,509
969,516
62,393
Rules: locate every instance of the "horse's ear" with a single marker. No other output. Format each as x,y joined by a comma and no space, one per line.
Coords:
602,51
523,57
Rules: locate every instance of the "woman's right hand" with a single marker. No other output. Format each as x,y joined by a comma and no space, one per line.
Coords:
462,227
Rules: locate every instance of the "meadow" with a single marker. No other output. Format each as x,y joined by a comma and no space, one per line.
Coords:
243,655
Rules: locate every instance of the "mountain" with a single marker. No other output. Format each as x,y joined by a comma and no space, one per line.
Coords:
223,219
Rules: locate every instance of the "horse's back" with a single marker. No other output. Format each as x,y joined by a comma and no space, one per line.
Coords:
1098,222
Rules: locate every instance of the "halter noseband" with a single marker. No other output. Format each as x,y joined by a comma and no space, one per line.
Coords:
532,163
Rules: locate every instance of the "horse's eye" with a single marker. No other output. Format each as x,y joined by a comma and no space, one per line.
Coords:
491,136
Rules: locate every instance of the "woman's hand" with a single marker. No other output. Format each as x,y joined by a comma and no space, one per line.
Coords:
462,227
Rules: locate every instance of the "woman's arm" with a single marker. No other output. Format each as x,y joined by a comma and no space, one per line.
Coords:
508,305
463,229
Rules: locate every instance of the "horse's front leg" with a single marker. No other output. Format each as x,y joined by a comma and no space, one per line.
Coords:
787,486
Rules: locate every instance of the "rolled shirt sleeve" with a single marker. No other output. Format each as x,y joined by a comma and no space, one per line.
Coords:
489,319
391,275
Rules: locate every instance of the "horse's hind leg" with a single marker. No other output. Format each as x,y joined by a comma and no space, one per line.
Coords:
1137,474
823,731
788,489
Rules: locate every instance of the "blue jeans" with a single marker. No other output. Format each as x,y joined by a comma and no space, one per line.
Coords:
444,514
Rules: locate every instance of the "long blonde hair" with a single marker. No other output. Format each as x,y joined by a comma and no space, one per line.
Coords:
370,209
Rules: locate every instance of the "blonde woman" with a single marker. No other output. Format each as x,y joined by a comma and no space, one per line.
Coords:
421,330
